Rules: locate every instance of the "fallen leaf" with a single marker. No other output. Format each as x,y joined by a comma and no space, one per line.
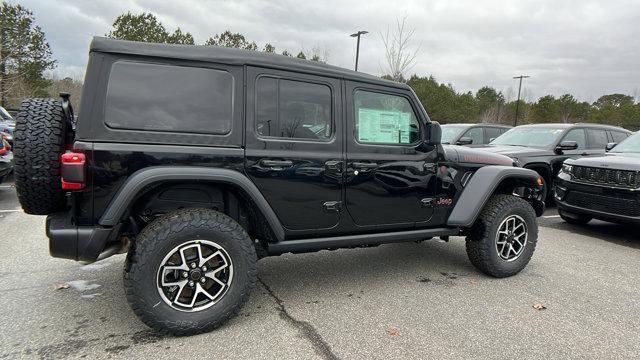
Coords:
473,282
393,332
62,286
539,306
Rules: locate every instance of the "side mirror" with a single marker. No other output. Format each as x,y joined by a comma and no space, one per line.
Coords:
465,141
610,146
566,145
434,135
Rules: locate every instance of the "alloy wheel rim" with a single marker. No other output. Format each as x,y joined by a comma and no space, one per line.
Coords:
194,275
511,238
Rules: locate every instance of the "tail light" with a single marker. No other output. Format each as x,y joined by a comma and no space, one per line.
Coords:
72,169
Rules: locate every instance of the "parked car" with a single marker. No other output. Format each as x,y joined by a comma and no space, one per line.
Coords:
604,187
473,135
6,157
544,147
7,124
197,160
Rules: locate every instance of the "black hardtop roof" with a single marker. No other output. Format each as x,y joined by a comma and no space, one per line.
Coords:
224,55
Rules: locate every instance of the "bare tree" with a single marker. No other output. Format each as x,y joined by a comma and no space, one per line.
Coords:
496,114
319,53
399,54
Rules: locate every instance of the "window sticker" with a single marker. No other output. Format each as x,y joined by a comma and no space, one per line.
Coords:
380,126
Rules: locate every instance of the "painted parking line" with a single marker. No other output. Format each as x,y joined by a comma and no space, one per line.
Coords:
551,216
10,210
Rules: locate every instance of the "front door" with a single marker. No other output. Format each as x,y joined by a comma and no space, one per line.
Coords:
389,178
294,146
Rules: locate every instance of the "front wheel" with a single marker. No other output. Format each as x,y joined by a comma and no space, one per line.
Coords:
502,240
190,271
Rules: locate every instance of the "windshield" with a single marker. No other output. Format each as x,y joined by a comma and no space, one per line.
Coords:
450,132
630,144
538,137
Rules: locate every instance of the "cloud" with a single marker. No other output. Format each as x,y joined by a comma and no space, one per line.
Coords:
587,48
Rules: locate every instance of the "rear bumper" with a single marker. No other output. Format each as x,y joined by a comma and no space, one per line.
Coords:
69,241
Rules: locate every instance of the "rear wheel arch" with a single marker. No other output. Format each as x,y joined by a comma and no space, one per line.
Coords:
226,190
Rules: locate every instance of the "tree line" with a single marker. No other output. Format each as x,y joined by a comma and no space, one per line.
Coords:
489,105
26,58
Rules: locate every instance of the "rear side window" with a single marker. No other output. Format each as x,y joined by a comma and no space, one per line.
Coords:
618,136
293,109
169,98
597,139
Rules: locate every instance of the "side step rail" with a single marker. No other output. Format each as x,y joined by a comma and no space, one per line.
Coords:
336,242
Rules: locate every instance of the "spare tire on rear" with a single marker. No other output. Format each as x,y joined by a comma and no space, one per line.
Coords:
39,140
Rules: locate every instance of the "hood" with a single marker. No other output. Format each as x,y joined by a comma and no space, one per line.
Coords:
516,151
618,161
463,154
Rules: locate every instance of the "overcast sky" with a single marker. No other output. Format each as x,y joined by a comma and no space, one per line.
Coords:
587,48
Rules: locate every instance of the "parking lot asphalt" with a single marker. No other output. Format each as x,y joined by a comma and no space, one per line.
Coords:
411,300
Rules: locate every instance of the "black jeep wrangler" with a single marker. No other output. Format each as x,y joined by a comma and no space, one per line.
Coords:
198,160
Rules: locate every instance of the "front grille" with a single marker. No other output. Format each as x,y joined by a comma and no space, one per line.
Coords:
620,178
608,204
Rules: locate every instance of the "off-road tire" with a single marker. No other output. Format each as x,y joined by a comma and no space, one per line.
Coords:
157,239
39,140
575,219
481,240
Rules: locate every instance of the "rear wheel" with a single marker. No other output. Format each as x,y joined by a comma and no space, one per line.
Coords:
502,240
39,140
575,219
190,271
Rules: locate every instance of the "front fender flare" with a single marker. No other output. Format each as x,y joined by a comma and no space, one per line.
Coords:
145,177
479,189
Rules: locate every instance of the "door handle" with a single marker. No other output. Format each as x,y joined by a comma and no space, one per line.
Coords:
333,165
276,163
364,166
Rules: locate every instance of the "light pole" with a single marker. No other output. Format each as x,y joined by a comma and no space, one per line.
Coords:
515,121
361,32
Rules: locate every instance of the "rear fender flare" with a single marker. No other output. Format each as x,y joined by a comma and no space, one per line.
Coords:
479,189
129,191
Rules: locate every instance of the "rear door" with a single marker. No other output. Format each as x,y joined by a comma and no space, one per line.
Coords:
294,146
390,179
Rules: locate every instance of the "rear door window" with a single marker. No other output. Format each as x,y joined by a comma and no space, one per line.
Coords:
492,133
597,139
293,109
181,99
